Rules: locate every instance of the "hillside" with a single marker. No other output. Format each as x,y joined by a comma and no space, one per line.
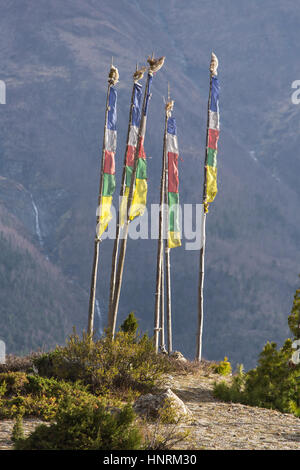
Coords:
54,60
39,305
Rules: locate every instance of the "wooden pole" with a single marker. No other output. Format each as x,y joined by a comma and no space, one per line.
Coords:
169,302
203,235
160,241
162,309
200,293
121,260
154,66
112,79
167,249
118,227
90,328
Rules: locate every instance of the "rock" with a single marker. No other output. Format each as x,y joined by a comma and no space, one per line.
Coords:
114,410
177,355
150,405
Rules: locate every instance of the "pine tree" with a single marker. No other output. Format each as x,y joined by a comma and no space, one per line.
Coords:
130,325
274,382
18,431
294,317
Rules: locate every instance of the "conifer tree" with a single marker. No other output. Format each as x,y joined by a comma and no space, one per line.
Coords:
130,325
294,317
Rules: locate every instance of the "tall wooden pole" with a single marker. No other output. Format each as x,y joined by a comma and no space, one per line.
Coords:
202,250
154,66
137,76
169,109
162,309
113,78
169,303
203,235
200,293
121,260
159,263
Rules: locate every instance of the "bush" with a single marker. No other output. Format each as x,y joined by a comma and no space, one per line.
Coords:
130,325
45,363
272,384
127,362
13,382
224,367
85,371
32,395
85,427
294,317
18,431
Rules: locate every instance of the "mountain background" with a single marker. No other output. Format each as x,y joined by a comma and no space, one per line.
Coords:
54,59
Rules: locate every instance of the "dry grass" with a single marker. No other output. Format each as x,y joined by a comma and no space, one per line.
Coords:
19,363
191,367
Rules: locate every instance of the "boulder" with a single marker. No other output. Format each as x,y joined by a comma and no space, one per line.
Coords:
151,405
178,356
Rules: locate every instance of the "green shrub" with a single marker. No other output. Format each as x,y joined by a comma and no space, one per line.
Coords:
126,362
85,427
33,395
85,371
130,325
294,317
13,382
45,363
272,384
18,431
224,367
3,389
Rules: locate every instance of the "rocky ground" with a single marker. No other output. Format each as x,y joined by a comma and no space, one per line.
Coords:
215,425
230,426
